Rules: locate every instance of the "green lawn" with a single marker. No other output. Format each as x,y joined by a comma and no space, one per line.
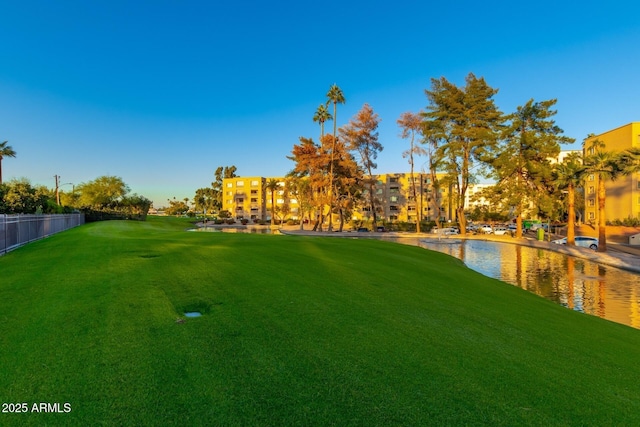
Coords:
295,331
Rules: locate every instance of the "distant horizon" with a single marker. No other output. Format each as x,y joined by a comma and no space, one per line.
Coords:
161,94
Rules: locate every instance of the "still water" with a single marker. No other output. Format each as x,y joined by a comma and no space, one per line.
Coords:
250,230
578,284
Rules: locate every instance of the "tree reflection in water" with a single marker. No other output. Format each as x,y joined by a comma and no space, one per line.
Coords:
575,283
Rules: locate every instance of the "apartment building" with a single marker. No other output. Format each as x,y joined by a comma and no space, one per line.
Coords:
395,199
623,194
244,197
248,198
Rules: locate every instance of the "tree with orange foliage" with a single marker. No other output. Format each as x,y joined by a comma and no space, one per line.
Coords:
361,135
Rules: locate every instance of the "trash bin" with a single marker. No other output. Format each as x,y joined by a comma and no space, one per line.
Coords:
540,234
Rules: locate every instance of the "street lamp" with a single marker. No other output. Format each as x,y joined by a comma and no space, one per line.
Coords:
73,190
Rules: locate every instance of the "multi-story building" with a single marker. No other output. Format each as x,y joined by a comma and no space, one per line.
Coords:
244,197
395,199
623,193
249,198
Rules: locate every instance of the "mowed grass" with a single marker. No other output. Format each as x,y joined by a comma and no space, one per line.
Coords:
295,331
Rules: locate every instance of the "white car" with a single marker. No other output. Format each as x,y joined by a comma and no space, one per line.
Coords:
486,229
446,231
584,241
500,231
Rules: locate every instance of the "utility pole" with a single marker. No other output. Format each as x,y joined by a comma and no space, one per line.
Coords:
57,177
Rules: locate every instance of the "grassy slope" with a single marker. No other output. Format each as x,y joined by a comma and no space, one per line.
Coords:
313,331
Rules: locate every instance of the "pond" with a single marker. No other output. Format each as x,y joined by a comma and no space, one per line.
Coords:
250,230
581,285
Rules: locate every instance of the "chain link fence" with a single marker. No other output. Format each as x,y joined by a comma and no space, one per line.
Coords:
18,230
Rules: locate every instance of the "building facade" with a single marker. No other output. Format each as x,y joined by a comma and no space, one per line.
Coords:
249,198
623,193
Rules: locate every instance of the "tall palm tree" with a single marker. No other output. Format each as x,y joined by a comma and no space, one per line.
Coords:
321,116
273,185
5,151
606,166
569,175
336,97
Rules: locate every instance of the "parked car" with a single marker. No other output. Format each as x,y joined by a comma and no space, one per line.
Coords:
486,229
500,231
584,241
445,231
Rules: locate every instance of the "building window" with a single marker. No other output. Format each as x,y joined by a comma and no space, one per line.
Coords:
254,191
592,215
379,191
393,208
254,200
240,184
394,190
229,202
393,217
255,183
393,199
592,189
592,202
280,201
229,193
240,200
411,208
229,184
393,179
591,177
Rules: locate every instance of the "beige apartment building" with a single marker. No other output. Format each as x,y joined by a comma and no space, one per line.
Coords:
248,198
623,194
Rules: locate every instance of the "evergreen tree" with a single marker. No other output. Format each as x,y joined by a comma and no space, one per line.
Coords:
463,121
521,164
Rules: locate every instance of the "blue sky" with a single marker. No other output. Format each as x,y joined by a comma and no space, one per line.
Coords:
160,93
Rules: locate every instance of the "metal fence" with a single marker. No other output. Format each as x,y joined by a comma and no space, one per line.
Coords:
18,230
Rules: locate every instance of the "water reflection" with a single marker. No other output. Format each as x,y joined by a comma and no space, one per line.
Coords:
575,283
250,230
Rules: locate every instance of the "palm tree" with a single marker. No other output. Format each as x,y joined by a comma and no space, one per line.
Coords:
336,97
5,151
321,116
631,161
569,175
605,165
272,185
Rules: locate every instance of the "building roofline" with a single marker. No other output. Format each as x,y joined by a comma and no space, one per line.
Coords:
615,129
